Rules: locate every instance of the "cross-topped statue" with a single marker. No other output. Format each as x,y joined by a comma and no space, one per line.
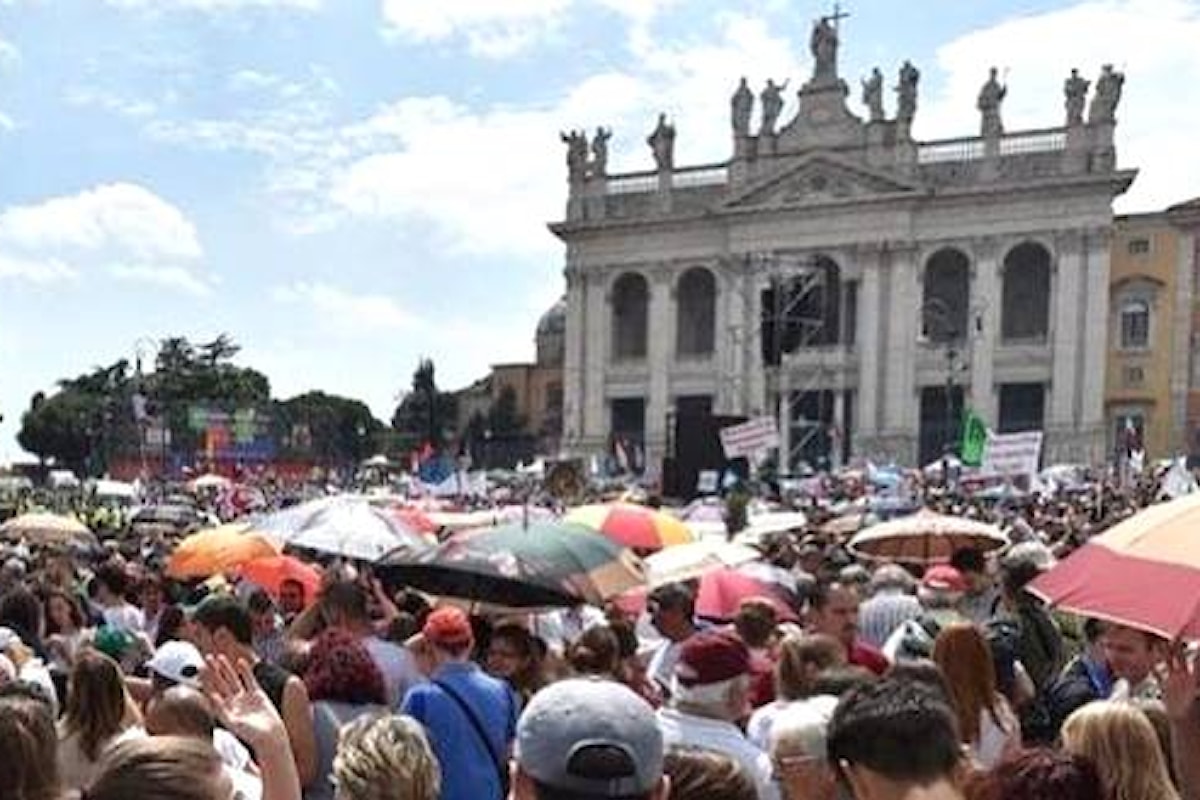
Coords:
824,45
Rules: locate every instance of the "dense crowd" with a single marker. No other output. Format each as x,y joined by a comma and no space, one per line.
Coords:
884,683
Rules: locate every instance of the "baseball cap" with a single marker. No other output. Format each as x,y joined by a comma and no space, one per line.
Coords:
448,627
179,662
711,657
944,578
591,737
114,642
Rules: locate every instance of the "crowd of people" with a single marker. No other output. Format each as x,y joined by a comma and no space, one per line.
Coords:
885,682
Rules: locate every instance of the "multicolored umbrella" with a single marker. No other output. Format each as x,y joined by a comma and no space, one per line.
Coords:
346,526
47,529
635,526
926,538
544,565
687,561
271,572
218,550
1142,572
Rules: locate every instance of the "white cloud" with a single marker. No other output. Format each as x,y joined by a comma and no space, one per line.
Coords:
218,5
122,227
122,216
113,102
174,277
343,311
1154,41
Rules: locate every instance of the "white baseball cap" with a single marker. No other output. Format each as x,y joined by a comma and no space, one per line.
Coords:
179,662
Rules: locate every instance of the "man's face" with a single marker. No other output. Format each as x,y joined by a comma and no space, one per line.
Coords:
839,617
291,597
1130,654
665,619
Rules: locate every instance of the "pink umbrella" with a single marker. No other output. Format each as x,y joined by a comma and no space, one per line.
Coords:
723,590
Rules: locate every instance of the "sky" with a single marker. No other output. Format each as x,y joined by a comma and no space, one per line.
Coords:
346,186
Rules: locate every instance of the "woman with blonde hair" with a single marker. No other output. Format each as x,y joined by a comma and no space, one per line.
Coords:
802,659
385,757
1121,742
986,722
99,712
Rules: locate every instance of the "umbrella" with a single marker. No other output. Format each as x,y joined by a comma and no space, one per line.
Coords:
45,528
925,537
632,525
1142,572
722,592
687,561
210,481
414,519
272,571
845,525
178,515
770,523
214,551
343,526
544,565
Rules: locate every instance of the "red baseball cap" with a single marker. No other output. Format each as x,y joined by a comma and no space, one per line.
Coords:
945,578
714,657
448,627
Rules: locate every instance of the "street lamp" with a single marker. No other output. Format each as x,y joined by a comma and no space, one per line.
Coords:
938,321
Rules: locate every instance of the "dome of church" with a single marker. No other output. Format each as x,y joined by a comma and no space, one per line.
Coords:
555,318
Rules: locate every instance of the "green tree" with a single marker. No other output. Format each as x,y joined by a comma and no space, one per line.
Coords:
424,414
340,429
503,417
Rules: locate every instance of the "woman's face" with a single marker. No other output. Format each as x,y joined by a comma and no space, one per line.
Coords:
504,660
59,611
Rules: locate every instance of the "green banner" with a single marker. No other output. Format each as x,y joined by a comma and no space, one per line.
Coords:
974,439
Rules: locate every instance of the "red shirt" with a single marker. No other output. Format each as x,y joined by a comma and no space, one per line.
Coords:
862,654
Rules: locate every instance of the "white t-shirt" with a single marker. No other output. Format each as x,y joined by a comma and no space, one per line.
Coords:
126,617
686,731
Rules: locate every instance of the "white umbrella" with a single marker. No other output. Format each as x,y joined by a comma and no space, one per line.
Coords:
762,525
685,561
343,526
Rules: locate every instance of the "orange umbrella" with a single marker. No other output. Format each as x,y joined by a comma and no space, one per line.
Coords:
218,550
272,571
632,525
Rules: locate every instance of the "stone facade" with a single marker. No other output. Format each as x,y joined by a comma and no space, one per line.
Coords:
848,278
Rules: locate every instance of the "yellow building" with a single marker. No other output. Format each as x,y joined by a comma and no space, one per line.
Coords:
1149,333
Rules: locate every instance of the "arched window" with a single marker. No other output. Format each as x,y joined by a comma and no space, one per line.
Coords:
1135,325
1025,311
946,296
696,308
630,304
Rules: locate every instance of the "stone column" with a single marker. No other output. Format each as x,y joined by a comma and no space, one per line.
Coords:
785,423
1095,338
901,410
598,324
754,371
868,341
1181,333
985,307
731,338
1066,302
660,349
573,358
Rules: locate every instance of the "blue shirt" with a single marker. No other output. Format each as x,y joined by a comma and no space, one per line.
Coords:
468,765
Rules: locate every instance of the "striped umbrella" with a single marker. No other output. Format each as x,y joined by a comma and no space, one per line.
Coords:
544,565
1142,572
926,538
46,528
632,525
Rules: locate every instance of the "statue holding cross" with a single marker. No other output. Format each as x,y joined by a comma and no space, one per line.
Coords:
824,44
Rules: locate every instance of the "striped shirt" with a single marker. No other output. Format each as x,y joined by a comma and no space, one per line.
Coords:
883,613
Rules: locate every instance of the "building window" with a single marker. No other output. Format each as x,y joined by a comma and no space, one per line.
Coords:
1134,376
1135,325
1138,247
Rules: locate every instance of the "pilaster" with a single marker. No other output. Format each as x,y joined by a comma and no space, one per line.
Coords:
900,406
660,345
1069,287
984,328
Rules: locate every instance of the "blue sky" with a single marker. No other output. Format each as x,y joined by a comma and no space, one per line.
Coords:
347,185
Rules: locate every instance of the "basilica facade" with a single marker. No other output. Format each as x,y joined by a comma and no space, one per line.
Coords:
862,286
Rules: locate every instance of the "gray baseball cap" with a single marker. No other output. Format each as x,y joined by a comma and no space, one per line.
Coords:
592,737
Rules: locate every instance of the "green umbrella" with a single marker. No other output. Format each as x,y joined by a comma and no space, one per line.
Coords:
546,564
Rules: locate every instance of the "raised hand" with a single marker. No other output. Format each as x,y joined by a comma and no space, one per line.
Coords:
1180,682
241,704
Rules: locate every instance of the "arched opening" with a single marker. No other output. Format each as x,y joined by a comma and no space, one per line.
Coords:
630,306
802,309
1135,325
946,296
696,307
1025,312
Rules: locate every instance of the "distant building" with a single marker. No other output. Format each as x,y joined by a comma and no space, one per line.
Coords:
861,286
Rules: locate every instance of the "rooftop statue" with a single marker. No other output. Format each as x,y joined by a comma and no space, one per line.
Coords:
1075,89
990,97
873,94
772,106
741,107
577,154
1107,96
600,152
662,143
906,91
824,45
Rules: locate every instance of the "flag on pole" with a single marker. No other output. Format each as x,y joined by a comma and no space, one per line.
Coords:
974,439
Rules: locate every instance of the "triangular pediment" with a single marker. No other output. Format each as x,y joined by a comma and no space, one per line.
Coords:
818,179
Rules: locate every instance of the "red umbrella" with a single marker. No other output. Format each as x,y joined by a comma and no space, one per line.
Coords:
415,518
723,590
270,573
